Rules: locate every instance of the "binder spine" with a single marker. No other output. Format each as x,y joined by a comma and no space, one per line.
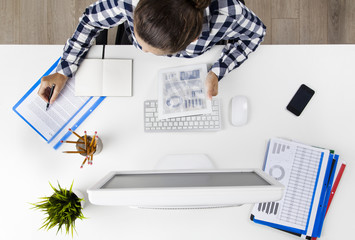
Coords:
77,124
324,198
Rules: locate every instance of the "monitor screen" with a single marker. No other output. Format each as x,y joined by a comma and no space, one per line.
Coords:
183,180
185,188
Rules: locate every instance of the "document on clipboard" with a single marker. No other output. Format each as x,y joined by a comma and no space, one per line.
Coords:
307,173
68,111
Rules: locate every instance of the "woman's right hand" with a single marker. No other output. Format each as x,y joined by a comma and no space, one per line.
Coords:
47,82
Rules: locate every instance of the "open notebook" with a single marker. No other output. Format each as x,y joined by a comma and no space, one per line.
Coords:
104,77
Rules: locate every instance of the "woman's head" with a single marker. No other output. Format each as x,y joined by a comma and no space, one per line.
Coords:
168,26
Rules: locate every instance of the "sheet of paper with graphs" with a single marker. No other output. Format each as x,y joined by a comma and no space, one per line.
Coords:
297,167
182,92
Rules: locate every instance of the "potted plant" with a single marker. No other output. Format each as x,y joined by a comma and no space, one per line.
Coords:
62,209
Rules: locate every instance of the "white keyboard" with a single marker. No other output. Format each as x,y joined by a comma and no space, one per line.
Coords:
206,122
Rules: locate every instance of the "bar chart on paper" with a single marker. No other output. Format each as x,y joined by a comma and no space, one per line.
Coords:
297,167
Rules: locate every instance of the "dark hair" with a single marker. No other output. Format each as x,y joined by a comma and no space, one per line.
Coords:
169,25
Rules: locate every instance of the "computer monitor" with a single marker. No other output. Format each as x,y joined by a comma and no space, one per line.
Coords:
185,188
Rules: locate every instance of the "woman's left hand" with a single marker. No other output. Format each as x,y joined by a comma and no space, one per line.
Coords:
211,84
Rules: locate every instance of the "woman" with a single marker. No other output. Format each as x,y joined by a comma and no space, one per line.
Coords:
175,28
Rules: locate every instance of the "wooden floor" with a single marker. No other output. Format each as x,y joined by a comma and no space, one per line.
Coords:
287,21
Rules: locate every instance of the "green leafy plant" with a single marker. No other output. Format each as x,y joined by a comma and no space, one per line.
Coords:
62,209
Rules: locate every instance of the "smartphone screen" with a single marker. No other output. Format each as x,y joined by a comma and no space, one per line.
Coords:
300,100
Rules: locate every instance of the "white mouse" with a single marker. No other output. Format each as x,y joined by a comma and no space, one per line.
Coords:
239,110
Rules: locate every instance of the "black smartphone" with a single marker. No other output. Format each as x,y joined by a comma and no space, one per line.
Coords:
300,100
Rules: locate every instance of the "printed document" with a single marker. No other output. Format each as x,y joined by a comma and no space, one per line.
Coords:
301,168
182,92
49,122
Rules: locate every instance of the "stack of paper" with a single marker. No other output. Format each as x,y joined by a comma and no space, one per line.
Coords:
308,174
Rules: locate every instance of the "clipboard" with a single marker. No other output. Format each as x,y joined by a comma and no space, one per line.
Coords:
67,112
310,221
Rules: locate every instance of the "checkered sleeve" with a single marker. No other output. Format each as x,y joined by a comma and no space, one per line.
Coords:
98,16
247,32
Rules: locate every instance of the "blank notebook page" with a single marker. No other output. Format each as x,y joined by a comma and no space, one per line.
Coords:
117,77
88,78
104,77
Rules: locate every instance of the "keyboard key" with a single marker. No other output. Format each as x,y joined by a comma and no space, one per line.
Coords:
150,110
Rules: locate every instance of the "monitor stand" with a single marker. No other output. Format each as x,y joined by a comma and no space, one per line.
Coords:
185,161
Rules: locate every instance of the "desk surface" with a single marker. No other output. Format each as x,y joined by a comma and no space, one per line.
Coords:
269,79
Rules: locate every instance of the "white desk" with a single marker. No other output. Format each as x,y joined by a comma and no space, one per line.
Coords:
269,79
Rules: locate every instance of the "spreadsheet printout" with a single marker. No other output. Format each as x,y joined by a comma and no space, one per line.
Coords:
298,167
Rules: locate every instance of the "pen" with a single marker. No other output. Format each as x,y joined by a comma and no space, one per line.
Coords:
50,96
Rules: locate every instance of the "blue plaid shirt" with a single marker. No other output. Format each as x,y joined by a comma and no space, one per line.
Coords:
223,20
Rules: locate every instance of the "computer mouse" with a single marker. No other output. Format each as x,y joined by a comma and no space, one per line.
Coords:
239,111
